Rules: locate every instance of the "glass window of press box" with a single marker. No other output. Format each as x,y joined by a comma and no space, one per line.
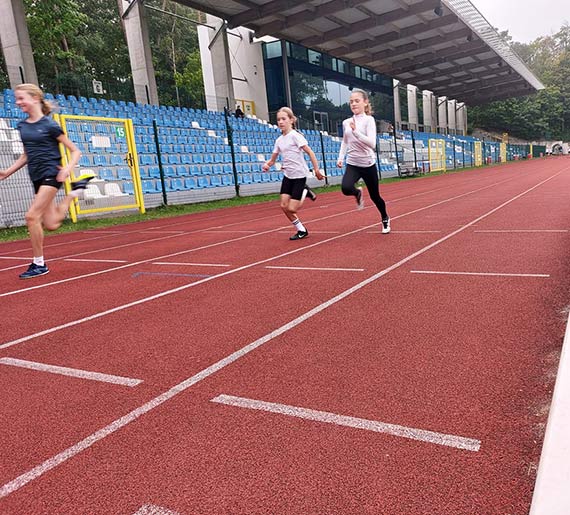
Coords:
321,86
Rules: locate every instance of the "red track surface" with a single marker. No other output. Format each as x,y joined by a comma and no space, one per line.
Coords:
471,356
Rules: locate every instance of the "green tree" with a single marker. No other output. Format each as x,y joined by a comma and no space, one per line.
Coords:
53,27
545,115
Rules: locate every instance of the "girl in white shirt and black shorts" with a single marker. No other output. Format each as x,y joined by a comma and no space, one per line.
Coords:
291,145
358,145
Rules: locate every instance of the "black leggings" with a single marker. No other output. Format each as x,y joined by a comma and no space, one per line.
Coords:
370,177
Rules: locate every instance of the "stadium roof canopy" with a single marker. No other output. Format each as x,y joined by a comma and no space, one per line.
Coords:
445,46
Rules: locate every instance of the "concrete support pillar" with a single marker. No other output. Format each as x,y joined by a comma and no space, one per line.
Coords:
442,115
461,119
16,43
452,116
413,107
221,63
397,111
427,98
136,31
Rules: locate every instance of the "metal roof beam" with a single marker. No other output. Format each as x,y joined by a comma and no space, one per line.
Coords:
481,87
262,11
390,37
469,75
428,59
410,47
370,23
467,69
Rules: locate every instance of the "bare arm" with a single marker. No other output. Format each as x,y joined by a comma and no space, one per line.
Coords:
20,162
271,162
314,161
75,155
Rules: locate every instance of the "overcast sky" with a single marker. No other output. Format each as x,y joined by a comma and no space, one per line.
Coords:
525,20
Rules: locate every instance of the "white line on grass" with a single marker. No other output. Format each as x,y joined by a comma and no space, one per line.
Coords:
459,442
111,428
489,274
71,372
313,268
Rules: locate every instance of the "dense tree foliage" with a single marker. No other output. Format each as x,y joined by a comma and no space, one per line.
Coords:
76,42
545,115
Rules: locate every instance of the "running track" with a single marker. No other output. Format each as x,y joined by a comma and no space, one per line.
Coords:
205,364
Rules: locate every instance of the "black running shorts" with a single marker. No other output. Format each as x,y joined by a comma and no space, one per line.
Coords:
293,187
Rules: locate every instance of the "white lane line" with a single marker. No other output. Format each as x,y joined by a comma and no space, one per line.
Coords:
235,270
416,232
423,435
154,231
151,509
71,372
232,231
96,260
23,290
189,264
523,231
489,274
313,268
79,447
18,258
551,493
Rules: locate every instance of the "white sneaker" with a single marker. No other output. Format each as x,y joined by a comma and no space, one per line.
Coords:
386,226
359,199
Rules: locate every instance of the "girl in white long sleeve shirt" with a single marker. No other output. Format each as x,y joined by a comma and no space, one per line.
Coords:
358,146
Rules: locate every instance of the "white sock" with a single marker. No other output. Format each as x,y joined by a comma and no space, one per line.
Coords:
39,261
298,225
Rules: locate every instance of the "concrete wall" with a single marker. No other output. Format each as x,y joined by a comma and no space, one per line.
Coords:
247,72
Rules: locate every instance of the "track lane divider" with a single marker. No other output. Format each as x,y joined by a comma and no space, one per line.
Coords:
184,385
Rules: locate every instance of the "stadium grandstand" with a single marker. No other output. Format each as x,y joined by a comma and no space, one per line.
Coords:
422,62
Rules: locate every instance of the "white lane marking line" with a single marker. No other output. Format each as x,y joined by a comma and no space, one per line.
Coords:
142,242
551,493
231,231
189,264
96,260
313,268
422,435
490,274
524,230
68,453
18,258
231,240
71,372
411,232
152,231
151,509
235,270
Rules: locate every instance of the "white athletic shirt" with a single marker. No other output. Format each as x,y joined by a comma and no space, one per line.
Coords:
359,145
293,163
